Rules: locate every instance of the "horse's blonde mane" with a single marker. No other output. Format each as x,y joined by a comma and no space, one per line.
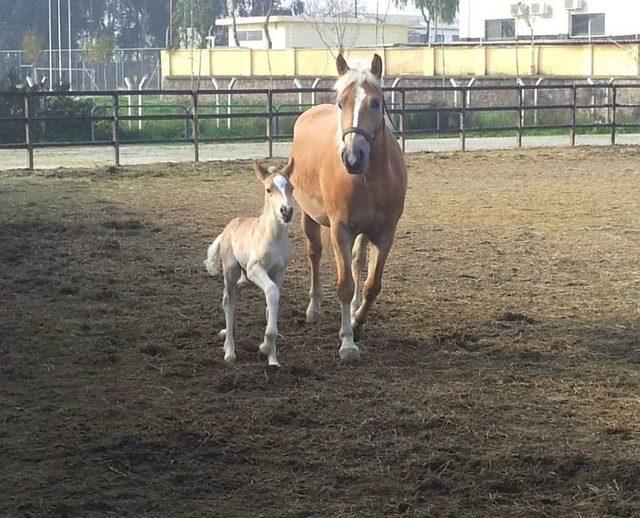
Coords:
359,74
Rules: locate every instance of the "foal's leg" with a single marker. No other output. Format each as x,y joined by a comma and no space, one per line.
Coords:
379,252
260,277
311,230
231,276
342,240
359,258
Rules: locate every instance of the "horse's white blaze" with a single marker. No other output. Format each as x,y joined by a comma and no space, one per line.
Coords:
361,95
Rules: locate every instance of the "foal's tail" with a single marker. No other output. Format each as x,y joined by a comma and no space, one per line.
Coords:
212,262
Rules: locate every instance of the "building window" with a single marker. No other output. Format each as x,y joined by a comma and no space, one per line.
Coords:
249,35
587,24
439,38
455,37
500,29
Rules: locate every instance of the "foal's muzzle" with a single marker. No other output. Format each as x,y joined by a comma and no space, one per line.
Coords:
287,213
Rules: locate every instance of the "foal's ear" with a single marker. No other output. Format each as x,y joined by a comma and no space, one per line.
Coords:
376,66
288,169
261,172
341,65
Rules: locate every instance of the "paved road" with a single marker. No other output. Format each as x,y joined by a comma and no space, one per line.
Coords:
149,154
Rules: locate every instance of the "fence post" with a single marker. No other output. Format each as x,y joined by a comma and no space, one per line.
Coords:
116,128
520,114
28,138
270,122
614,118
196,127
402,107
463,114
573,114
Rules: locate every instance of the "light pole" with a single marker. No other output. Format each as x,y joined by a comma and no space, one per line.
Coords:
50,48
69,29
59,44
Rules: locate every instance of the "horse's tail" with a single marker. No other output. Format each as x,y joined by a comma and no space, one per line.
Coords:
213,261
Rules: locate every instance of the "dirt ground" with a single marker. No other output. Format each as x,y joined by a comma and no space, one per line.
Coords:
502,374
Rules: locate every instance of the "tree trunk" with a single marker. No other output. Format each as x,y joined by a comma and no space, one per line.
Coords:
266,25
428,22
233,19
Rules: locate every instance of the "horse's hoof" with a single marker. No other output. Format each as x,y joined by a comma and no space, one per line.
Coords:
230,358
350,355
222,334
314,317
314,312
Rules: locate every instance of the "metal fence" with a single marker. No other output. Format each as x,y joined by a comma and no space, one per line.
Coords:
403,103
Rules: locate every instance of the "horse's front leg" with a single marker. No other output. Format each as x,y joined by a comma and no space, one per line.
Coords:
380,248
342,240
359,258
257,274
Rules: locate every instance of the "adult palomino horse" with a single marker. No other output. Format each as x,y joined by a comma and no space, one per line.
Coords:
349,174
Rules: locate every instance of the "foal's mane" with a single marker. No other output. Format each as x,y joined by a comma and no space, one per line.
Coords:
357,75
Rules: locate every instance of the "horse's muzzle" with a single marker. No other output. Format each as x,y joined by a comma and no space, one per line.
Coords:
357,166
287,214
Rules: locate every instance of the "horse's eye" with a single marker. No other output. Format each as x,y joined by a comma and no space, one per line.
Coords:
339,105
269,191
375,103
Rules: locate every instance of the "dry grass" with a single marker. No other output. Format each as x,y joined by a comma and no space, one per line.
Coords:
502,371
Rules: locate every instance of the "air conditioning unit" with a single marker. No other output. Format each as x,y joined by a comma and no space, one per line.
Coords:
573,5
540,9
515,10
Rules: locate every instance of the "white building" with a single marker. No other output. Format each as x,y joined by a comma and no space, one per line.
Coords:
289,32
441,34
552,19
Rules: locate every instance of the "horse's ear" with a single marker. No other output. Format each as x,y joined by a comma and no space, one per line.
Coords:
341,65
288,169
376,66
261,172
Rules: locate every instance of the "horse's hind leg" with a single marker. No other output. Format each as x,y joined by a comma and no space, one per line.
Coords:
231,276
311,230
357,264
379,252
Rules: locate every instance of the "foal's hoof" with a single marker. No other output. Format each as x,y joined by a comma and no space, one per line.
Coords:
230,359
350,355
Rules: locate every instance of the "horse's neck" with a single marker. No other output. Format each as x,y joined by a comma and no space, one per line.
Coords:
380,154
270,228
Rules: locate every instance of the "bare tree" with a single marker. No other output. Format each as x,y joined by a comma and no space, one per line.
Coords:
331,21
232,6
266,24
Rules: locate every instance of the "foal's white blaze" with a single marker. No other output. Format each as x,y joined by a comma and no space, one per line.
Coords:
281,183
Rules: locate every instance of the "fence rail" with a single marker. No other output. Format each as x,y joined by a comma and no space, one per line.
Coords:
399,109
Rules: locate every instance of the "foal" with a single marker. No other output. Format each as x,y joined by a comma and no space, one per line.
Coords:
259,249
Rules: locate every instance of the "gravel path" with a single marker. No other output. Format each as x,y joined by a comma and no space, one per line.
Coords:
149,154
